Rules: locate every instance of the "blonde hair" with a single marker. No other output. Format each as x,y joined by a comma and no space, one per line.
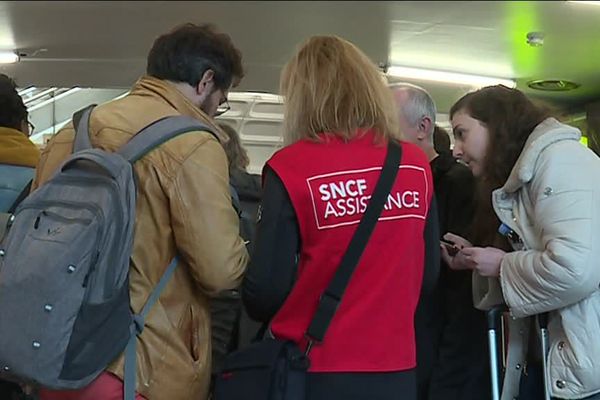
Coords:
331,86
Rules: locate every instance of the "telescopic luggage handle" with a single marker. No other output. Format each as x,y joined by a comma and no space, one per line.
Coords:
494,321
542,320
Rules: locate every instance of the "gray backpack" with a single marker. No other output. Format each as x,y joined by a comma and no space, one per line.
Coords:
64,262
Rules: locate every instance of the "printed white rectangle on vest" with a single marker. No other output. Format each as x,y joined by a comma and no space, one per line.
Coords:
341,198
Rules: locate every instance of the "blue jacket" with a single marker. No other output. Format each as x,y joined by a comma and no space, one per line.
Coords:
13,180
18,159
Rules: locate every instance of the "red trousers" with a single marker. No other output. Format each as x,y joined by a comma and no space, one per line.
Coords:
106,387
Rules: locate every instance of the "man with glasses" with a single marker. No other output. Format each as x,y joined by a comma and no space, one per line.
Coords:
18,155
223,108
30,129
183,208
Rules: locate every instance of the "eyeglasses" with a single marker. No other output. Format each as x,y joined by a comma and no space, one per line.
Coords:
223,108
31,127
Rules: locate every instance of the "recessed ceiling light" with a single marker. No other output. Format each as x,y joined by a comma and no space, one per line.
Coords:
535,39
553,85
8,57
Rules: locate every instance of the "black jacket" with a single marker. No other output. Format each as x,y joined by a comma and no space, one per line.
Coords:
451,333
248,188
454,187
246,193
231,326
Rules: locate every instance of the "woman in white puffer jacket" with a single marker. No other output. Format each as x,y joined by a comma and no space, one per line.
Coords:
546,194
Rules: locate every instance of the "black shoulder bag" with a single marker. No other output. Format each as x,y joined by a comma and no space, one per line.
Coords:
274,369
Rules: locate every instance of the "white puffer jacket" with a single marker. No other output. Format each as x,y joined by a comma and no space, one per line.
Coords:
552,200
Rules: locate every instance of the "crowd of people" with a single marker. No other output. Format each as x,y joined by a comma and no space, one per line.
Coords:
510,215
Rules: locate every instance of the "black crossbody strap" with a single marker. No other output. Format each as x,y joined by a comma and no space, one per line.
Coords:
24,193
331,298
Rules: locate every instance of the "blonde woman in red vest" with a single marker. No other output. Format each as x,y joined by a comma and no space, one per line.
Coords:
339,117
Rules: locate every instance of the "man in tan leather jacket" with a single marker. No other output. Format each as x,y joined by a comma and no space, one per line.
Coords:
183,207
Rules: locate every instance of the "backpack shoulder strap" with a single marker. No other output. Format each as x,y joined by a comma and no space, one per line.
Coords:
81,124
136,328
158,133
235,200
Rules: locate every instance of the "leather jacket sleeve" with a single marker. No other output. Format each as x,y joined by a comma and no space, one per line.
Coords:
205,225
54,153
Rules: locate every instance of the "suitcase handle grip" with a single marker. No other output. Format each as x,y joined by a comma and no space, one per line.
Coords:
493,316
543,320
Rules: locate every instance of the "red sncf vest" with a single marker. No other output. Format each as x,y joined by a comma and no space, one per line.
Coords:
329,184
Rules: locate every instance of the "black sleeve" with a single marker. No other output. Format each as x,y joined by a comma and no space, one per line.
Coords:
427,316
431,270
460,195
272,269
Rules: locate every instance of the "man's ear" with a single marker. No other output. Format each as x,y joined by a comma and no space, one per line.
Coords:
206,82
425,126
25,127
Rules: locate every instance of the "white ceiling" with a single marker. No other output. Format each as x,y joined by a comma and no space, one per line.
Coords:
104,43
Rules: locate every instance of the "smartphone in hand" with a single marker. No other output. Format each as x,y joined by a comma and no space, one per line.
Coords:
450,247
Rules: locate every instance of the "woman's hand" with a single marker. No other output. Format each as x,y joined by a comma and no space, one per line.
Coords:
459,242
456,261
485,260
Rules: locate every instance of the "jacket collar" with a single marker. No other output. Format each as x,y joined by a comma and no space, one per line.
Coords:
177,100
17,149
442,163
546,133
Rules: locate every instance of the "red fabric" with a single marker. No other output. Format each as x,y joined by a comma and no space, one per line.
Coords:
106,387
329,185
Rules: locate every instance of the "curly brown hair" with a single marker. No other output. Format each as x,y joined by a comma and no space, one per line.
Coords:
189,50
509,117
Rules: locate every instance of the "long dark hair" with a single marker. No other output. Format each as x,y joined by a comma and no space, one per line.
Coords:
509,117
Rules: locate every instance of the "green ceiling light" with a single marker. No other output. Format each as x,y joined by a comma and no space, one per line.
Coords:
522,22
584,141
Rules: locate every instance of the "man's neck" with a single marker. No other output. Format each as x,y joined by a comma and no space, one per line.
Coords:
184,88
430,152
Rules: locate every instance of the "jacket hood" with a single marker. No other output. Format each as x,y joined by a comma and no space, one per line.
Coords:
548,132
